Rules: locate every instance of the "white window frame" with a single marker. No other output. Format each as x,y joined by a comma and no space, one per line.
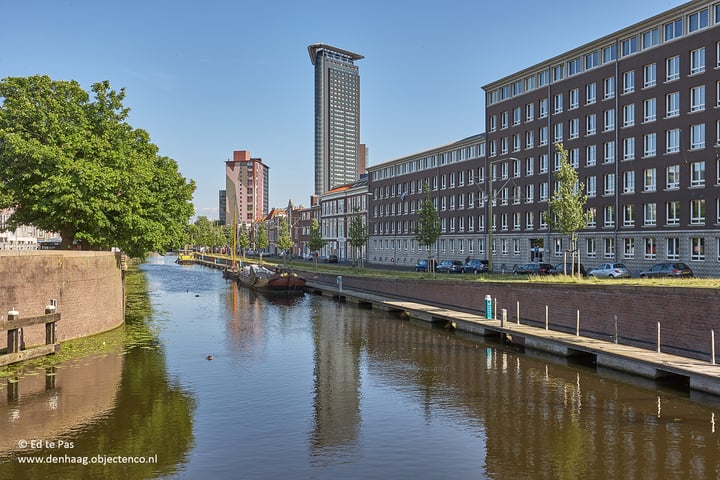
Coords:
672,177
649,75
672,68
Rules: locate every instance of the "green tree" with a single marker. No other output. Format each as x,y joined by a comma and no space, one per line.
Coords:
428,225
261,239
71,164
567,203
205,232
284,239
315,242
358,234
243,239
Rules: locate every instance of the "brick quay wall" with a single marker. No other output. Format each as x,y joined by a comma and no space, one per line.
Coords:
686,315
88,287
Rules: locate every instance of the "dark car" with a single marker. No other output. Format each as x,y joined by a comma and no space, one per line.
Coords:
330,259
450,266
566,268
533,269
475,266
422,265
676,269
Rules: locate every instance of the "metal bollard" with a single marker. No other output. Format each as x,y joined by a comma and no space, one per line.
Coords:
13,334
50,328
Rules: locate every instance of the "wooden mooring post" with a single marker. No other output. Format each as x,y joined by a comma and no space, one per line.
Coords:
16,351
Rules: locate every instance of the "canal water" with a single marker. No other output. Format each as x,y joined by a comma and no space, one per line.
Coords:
227,384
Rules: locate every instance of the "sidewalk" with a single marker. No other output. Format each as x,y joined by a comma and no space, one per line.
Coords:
701,375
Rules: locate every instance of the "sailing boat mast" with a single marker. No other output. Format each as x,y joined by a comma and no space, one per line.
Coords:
234,236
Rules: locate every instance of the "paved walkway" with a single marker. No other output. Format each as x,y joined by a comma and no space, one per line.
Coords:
702,375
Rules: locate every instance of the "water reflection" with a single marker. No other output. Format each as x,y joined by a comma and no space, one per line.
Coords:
310,388
116,404
396,398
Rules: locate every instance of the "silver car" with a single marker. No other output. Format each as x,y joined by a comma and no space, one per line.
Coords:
610,270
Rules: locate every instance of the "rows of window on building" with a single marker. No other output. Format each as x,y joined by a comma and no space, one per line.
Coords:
653,183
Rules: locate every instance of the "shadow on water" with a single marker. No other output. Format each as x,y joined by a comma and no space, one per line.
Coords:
85,410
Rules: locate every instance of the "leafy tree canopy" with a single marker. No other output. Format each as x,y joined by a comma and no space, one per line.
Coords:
567,203
315,242
71,164
428,224
284,241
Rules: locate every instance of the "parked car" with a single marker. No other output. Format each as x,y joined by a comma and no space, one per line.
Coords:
450,266
475,266
533,269
610,270
422,265
676,269
331,259
566,268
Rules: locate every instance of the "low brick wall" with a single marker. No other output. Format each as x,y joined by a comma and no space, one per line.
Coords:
88,288
686,315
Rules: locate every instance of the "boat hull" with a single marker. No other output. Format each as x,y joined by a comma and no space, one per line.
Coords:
267,281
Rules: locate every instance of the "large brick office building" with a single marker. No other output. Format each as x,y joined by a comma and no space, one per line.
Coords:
639,112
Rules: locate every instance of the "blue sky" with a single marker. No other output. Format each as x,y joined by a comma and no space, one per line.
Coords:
206,78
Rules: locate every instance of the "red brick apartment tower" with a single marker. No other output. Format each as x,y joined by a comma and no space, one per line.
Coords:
247,186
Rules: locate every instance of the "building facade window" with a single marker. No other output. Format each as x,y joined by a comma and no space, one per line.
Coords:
697,136
649,180
628,248
609,247
629,181
672,177
697,174
609,120
697,98
697,61
574,98
650,249
672,140
591,248
628,115
698,20
591,91
672,212
629,148
628,81
673,29
697,212
649,75
650,214
608,216
649,145
628,215
672,68
591,186
649,110
650,38
672,104
672,252
697,249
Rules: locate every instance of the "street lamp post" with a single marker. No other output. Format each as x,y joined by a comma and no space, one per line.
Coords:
491,198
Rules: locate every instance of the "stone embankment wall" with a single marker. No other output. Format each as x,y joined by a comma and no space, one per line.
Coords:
88,288
686,315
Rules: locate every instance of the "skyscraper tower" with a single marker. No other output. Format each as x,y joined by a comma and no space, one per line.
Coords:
337,116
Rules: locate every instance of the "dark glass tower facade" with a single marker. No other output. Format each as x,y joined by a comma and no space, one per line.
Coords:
337,116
